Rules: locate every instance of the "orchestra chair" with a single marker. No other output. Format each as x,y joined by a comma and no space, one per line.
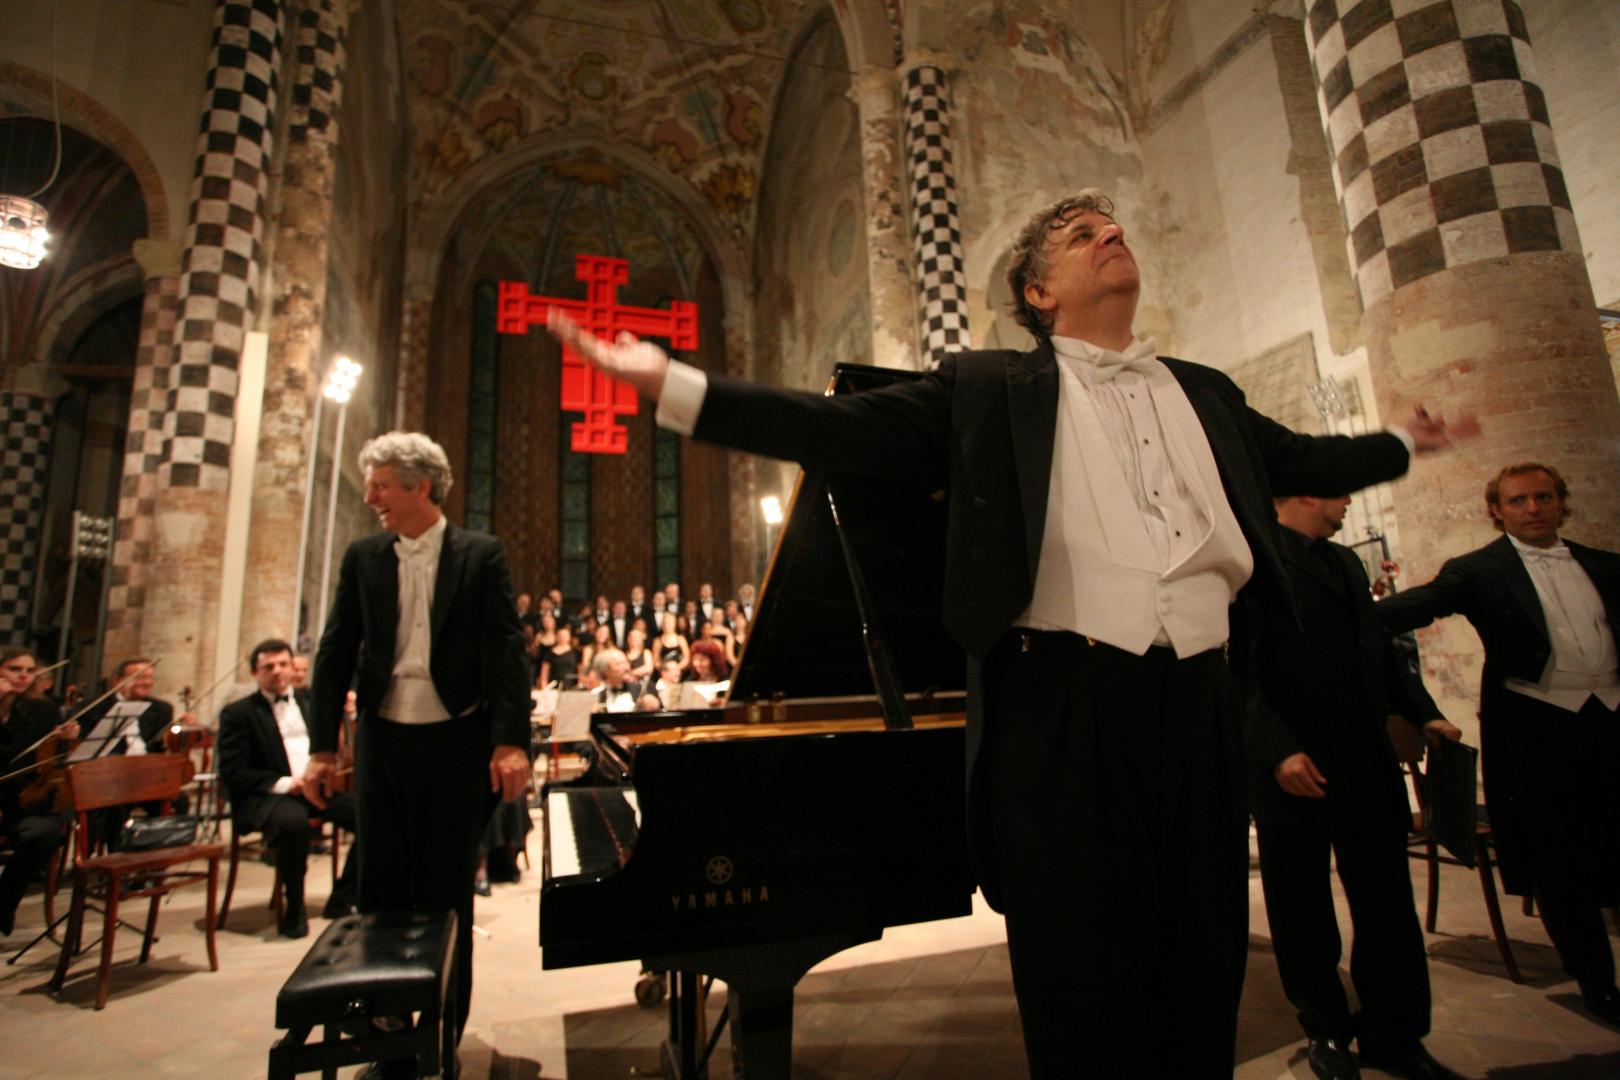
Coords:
204,784
381,966
129,875
1410,751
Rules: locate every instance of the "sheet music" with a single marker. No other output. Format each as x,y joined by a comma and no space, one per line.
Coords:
545,703
122,720
573,722
702,695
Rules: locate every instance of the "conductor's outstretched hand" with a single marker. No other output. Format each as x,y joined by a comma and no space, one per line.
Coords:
639,363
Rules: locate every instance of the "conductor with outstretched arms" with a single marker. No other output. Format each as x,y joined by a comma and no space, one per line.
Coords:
424,625
1110,530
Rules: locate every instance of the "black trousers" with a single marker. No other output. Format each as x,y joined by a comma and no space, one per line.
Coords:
1120,829
286,823
423,798
35,840
1388,963
1554,800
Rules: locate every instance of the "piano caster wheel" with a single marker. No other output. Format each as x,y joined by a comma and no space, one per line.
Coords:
649,990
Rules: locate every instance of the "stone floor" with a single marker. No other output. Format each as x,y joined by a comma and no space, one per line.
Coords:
927,1001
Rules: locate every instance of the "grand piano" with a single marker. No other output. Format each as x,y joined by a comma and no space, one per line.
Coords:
823,802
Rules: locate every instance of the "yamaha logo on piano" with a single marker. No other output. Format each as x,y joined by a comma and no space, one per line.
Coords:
719,871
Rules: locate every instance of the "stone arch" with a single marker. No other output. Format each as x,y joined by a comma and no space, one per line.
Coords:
79,302
434,223
95,119
870,37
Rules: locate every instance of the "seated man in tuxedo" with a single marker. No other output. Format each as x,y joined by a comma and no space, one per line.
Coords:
616,690
263,749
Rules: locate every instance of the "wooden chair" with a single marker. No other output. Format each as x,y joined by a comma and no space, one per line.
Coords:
129,875
204,783
1410,750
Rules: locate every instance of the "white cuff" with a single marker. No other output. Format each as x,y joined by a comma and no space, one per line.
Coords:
282,786
678,406
1405,437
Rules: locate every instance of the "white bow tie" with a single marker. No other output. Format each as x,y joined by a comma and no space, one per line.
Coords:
1140,356
1559,552
408,548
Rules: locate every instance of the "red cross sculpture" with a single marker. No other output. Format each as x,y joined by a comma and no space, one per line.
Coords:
584,389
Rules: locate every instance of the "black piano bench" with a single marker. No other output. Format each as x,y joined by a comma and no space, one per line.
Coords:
383,966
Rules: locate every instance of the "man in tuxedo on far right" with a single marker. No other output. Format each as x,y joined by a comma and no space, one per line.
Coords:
1548,613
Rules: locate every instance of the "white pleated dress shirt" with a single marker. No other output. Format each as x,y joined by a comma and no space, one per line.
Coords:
411,696
1583,662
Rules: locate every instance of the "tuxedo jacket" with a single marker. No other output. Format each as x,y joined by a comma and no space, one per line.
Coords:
982,426
252,756
157,718
1493,590
1329,692
477,657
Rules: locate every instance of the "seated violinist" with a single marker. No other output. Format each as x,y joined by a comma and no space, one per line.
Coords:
132,689
34,828
263,748
133,679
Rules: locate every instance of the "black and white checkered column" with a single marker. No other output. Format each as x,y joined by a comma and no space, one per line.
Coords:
25,420
936,227
220,269
317,87
1444,153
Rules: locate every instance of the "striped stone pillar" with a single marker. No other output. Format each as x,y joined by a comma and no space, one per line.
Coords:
1474,292
888,253
936,225
218,301
25,458
143,449
297,311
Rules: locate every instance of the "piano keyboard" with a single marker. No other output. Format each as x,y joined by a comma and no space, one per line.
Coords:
590,831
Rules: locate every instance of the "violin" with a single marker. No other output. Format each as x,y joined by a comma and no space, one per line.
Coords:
47,792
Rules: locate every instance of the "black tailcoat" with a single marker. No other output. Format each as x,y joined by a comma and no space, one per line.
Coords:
1492,589
983,425
477,643
252,756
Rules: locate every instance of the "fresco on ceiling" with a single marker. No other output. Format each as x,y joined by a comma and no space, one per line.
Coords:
687,81
582,204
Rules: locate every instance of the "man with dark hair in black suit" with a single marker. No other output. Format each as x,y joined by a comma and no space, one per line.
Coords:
263,748
1547,611
1107,512
424,626
1324,781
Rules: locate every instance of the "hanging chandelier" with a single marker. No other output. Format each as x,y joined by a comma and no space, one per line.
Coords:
23,234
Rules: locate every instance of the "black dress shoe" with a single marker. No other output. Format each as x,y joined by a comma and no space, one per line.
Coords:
337,907
294,924
1414,1064
1330,1059
1603,1004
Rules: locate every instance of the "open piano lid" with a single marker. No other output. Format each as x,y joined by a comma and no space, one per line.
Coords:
806,637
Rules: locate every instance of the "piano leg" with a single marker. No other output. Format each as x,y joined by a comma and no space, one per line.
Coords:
761,1032
683,1050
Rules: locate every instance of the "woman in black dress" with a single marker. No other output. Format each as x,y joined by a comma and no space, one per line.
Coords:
560,663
